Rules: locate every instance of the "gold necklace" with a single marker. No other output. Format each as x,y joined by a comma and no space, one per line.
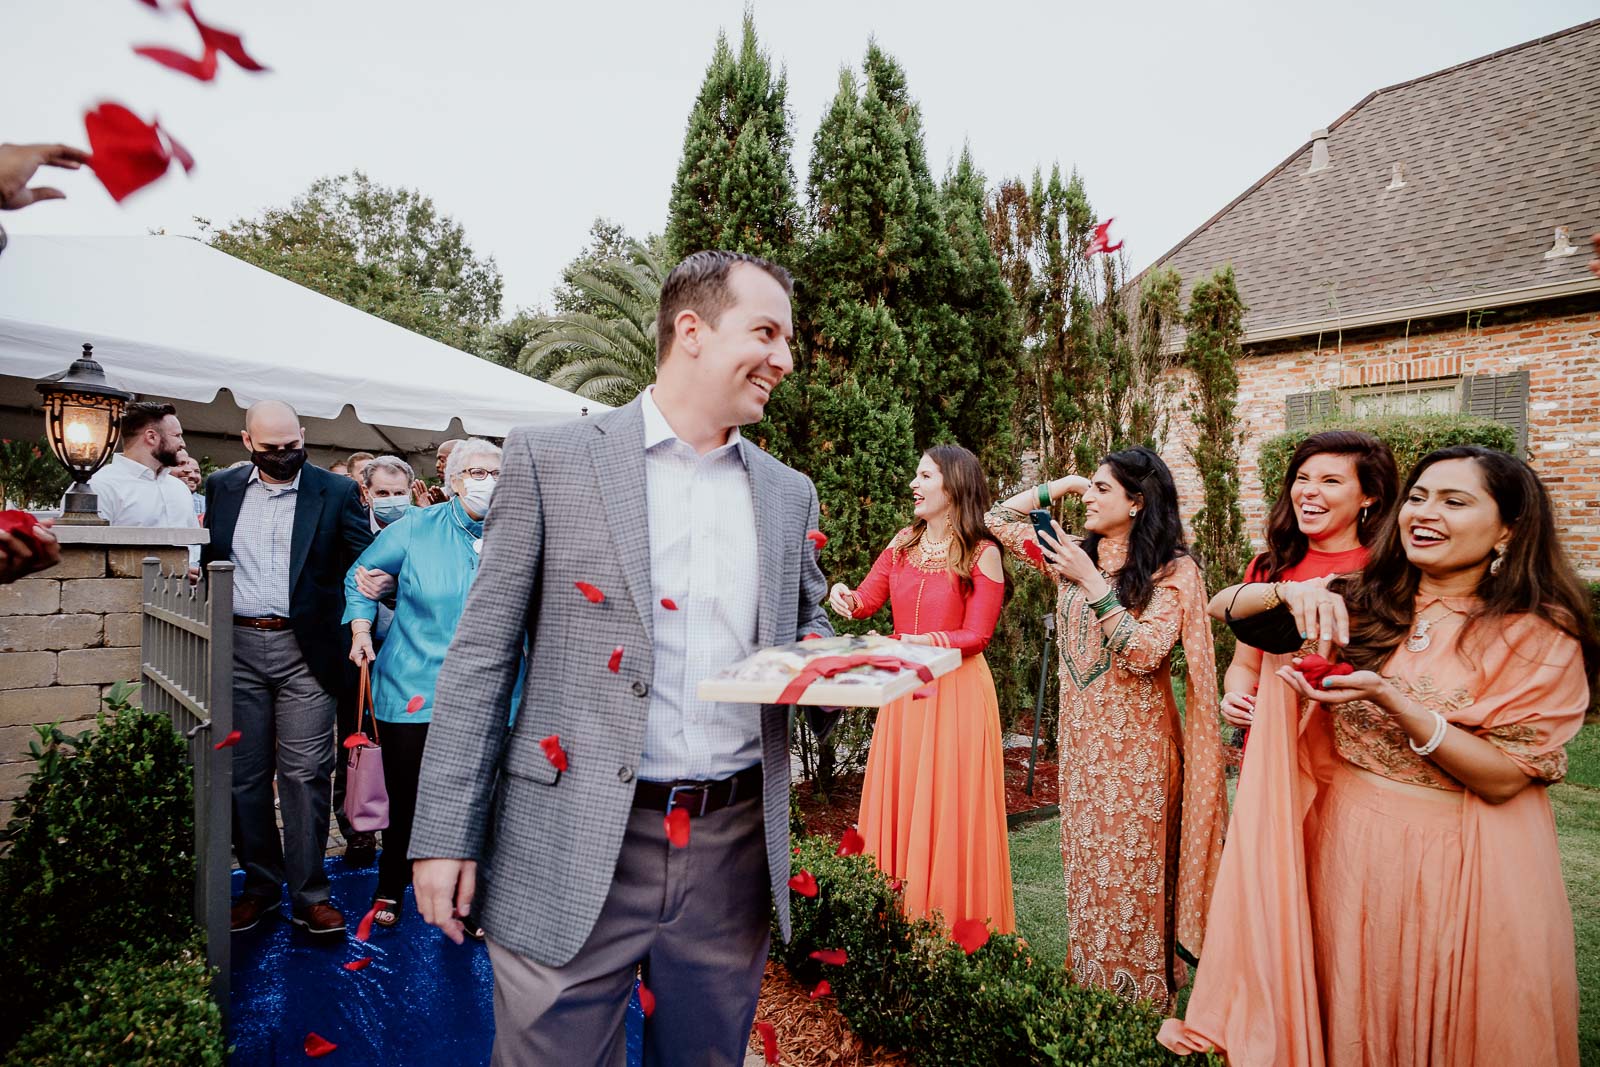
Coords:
1420,637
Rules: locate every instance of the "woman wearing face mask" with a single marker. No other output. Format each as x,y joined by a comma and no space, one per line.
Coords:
933,805
1337,491
1142,797
1392,883
433,554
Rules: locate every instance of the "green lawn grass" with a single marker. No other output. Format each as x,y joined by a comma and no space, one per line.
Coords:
1041,899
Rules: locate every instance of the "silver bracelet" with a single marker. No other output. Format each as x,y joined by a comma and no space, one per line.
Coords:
1439,728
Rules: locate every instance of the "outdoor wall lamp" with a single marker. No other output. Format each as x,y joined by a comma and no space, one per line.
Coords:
82,414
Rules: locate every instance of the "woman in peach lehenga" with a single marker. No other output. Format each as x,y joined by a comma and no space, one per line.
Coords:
933,802
1391,891
1142,799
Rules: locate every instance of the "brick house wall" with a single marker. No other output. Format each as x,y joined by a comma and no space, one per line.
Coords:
1557,344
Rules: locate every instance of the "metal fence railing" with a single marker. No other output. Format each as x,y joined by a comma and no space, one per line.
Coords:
186,672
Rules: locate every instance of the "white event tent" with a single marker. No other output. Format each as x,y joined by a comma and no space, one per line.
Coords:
173,319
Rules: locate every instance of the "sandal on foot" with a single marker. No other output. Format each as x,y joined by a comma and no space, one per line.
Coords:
388,913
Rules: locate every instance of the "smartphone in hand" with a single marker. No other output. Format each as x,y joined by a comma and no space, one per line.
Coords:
1042,527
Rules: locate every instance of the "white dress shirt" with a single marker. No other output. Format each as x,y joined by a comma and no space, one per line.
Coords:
702,557
261,547
128,493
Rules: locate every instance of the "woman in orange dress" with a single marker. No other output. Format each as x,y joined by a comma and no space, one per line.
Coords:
933,803
1142,798
1391,890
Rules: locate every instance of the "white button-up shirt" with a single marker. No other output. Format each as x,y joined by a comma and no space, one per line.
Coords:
261,540
127,493
703,557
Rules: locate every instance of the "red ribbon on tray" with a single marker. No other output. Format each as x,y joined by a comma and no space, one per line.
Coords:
828,666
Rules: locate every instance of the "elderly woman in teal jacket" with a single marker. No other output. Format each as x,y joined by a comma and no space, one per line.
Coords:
432,555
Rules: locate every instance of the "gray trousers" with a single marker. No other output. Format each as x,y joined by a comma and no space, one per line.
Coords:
285,723
697,918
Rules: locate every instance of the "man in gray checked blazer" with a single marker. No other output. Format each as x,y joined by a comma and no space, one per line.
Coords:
696,541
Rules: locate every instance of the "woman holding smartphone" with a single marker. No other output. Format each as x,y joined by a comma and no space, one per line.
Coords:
933,803
1142,797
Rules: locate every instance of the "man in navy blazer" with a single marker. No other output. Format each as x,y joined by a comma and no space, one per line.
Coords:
291,531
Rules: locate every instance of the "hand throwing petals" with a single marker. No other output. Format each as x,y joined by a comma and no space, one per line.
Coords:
970,934
851,843
590,593
614,664
554,752
318,1046
677,824
804,883
228,742
833,957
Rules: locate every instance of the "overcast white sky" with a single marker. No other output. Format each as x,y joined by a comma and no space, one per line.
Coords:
525,121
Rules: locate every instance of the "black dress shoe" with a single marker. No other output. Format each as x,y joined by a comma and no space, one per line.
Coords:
361,850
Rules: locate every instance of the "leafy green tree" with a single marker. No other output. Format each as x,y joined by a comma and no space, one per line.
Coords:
735,183
387,251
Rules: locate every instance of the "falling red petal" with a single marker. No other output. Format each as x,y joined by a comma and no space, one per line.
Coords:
228,742
668,603
822,990
414,705
356,965
229,44
851,843
647,1000
126,152
804,883
180,153
357,740
1032,550
1101,241
817,538
677,824
590,593
769,1041
812,637
833,957
318,1046
364,930
970,934
924,693
202,69
554,752
614,664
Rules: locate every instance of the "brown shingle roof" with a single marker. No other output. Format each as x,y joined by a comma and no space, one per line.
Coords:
1498,152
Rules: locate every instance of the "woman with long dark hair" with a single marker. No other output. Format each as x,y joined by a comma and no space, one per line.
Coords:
1392,880
933,804
1336,492
1142,797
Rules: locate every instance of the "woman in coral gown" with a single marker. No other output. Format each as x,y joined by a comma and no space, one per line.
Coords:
933,804
1391,890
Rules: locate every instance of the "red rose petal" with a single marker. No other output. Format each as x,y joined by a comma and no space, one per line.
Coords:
1032,550
228,742
647,1000
970,934
851,843
554,752
668,603
126,153
833,957
614,664
590,593
804,883
414,705
1314,669
895,885
364,928
822,990
356,965
229,44
180,153
769,1041
812,637
924,693
318,1046
677,824
817,538
356,740
1101,242
202,69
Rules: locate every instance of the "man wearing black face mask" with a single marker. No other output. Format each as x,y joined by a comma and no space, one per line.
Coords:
291,530
131,490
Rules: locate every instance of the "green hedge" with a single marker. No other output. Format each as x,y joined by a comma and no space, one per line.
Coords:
152,1009
908,986
1409,437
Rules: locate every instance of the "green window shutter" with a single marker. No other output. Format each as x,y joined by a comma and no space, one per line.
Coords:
1304,410
1502,397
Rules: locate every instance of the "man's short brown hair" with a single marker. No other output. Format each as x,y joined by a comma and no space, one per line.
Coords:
700,284
141,414
357,456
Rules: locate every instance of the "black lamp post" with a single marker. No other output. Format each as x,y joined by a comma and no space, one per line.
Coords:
82,414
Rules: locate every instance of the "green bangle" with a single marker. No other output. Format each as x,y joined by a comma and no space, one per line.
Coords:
1106,604
1044,494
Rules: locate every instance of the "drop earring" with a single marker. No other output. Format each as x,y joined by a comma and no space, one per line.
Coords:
1499,558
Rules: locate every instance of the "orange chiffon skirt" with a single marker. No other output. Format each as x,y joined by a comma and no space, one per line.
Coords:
933,805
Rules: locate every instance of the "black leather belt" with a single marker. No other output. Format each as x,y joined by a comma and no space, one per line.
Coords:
270,622
699,798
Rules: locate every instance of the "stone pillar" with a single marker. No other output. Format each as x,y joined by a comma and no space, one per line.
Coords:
69,633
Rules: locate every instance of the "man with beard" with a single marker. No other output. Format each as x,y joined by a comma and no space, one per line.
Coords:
132,489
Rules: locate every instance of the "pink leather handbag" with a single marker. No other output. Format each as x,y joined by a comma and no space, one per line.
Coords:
366,797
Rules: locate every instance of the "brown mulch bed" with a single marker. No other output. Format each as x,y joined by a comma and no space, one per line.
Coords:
812,1033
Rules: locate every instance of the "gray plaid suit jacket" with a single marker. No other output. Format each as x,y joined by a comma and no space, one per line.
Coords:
570,506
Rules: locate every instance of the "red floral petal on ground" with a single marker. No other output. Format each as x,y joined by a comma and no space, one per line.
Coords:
229,741
970,934
356,740
822,990
668,603
769,1041
647,1000
318,1046
833,957
364,928
590,593
554,752
677,824
851,843
356,965
414,705
614,664
804,883
817,538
